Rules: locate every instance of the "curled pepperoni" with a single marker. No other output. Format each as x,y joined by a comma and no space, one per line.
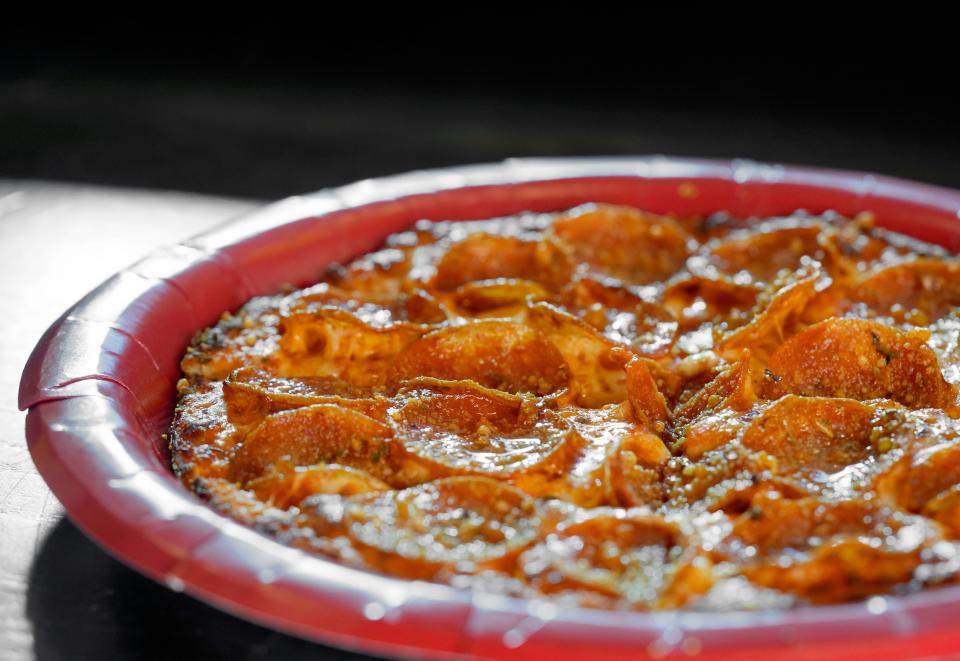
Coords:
780,307
377,309
945,509
630,245
461,406
945,341
618,462
322,433
634,470
202,436
862,360
287,485
813,433
801,444
722,478
489,257
496,354
764,252
333,342
225,495
630,555
931,471
829,551
926,445
383,271
919,291
311,530
494,296
648,405
622,316
459,427
696,300
457,523
713,430
596,371
733,387
856,242
251,394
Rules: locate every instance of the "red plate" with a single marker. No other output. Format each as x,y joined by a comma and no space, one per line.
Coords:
100,389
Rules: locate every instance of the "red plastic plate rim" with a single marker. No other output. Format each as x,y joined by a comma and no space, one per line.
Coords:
99,389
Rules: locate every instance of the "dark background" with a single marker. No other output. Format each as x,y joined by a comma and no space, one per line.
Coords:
259,112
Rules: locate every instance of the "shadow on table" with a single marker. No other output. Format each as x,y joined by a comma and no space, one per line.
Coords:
83,604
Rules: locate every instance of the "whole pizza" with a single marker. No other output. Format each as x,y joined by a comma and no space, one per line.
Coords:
605,407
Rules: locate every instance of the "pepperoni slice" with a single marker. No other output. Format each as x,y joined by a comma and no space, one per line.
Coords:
287,485
202,436
597,376
488,257
312,530
927,445
633,246
226,496
332,342
800,445
722,478
814,434
945,509
857,242
919,292
713,430
459,427
618,462
322,433
862,360
496,296
932,470
496,354
765,251
251,394
780,306
383,271
945,341
829,551
696,300
626,554
634,470
622,316
456,523
648,405
377,309
734,388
